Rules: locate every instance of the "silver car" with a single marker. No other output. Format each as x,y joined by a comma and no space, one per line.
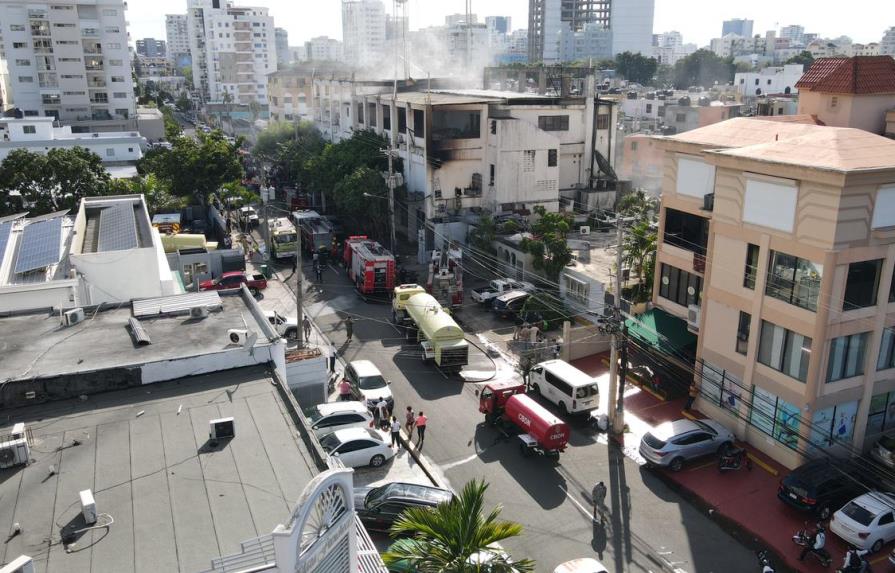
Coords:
672,443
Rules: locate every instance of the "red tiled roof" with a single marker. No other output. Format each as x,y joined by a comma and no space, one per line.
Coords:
858,75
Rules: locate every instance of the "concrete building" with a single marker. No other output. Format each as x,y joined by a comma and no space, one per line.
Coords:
69,61
119,151
795,34
767,81
631,24
396,28
684,116
887,44
177,33
871,49
499,24
281,39
290,91
739,26
151,48
669,47
323,49
233,49
642,162
363,31
849,92
787,285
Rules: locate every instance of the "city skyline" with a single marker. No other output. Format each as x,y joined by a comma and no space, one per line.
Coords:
700,22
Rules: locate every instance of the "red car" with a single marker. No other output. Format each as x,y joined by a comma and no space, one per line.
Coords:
234,280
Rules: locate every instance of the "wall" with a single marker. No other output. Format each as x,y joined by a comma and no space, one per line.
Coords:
867,112
586,341
307,380
121,150
519,179
117,276
55,294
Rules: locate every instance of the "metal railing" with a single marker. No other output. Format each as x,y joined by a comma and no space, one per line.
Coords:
256,554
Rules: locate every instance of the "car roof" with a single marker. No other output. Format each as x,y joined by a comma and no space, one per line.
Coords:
875,502
364,368
348,434
341,407
512,295
567,372
668,430
419,492
816,472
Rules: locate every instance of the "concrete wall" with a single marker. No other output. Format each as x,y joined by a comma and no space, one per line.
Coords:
586,341
307,379
55,294
867,112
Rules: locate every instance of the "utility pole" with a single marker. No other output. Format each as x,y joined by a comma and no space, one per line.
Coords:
613,356
299,291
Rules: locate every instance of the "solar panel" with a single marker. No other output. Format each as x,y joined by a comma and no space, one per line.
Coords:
5,230
118,228
41,243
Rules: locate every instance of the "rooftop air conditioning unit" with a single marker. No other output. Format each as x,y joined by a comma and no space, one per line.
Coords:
15,452
73,316
693,312
237,336
88,506
221,429
198,312
584,230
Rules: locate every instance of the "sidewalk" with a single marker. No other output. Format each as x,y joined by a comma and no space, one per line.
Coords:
742,501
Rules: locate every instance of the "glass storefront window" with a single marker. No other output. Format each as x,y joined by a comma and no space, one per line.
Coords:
794,280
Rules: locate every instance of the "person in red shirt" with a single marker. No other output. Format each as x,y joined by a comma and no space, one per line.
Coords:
421,420
344,390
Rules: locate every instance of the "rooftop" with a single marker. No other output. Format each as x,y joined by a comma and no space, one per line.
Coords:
860,75
176,500
31,250
115,224
744,131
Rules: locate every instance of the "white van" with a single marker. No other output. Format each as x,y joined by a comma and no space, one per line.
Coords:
564,385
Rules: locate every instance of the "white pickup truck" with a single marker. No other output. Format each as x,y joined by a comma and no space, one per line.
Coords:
498,287
286,326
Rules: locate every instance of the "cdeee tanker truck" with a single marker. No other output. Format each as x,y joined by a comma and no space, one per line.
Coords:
506,403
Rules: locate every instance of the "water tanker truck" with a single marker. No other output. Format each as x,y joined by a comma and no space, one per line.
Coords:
506,404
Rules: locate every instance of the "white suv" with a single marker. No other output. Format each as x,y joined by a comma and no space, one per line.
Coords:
332,416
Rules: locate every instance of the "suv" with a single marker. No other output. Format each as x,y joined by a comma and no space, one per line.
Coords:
379,507
332,416
367,383
821,486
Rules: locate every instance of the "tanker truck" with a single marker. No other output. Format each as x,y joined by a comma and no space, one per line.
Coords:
506,404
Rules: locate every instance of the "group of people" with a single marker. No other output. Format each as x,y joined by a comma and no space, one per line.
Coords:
384,419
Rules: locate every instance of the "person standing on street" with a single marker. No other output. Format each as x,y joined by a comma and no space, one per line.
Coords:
344,390
306,324
382,413
349,328
598,496
294,264
333,354
408,422
692,394
421,421
396,432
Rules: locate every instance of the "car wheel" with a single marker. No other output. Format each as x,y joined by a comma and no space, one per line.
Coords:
823,513
562,408
535,389
676,464
724,448
877,545
377,461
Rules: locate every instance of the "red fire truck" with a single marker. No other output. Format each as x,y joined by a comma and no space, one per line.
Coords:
542,432
445,281
370,265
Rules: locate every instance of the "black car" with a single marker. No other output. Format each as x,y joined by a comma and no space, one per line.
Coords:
823,486
379,507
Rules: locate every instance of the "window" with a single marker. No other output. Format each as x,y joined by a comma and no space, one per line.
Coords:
119,95
633,146
110,12
603,121
23,62
846,356
117,79
756,81
794,280
110,152
577,290
551,157
114,46
29,129
881,416
419,123
386,117
26,79
491,174
553,122
16,28
784,350
116,62
20,44
751,266
686,231
493,127
528,161
743,332
769,82
63,25
112,30
402,120
775,416
886,358
862,284
75,93
680,117
70,60
649,108
680,286
834,101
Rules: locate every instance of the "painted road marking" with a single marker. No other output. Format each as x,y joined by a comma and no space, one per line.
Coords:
446,467
705,465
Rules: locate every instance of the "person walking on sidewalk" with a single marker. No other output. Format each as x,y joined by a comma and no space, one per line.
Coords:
598,496
333,354
396,432
420,422
408,422
692,394
344,390
306,324
382,411
318,270
349,328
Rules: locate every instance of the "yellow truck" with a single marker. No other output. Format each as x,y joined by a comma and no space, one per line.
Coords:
399,302
441,339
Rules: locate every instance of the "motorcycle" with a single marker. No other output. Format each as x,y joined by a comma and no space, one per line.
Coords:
734,459
855,562
765,562
803,538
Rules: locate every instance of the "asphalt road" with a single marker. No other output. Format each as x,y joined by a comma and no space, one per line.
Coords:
652,528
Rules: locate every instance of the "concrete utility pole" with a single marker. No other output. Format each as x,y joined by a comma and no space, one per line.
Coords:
613,356
299,291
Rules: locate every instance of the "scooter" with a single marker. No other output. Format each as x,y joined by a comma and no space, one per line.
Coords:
765,562
734,459
802,538
857,556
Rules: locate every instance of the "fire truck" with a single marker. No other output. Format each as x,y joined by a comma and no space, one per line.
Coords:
282,238
370,265
316,232
445,281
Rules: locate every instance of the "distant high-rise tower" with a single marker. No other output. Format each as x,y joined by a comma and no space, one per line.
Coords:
739,26
363,31
177,33
282,42
498,24
151,48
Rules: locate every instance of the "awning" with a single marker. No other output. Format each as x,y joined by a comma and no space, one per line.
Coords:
662,331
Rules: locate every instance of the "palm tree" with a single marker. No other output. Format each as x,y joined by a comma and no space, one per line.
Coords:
455,537
640,245
639,205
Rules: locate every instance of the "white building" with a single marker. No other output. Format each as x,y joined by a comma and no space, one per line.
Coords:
795,34
871,49
69,60
281,36
177,33
770,80
323,49
631,23
887,44
363,31
670,47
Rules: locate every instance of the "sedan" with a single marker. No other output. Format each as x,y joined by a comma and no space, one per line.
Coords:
672,443
379,507
357,447
332,416
884,451
867,522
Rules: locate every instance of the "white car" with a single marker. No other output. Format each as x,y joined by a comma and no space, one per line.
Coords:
367,383
332,416
582,565
357,447
867,522
286,326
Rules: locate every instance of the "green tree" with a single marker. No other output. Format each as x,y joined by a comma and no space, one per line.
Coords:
451,537
702,68
350,199
639,205
639,247
43,184
184,103
548,246
158,198
805,58
483,235
636,67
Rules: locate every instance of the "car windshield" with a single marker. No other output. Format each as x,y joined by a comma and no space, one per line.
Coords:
312,414
376,494
706,427
586,391
372,382
653,442
857,513
329,443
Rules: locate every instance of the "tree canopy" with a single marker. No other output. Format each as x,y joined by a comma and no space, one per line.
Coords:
805,58
548,246
636,67
702,68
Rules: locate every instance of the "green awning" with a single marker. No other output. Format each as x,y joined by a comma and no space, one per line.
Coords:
662,331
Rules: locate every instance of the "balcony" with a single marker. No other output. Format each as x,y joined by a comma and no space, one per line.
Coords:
95,83
99,99
100,115
94,68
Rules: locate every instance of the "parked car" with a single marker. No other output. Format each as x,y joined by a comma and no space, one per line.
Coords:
332,416
235,279
509,304
883,451
821,486
672,443
581,565
379,507
286,326
569,388
867,522
357,447
367,383
497,287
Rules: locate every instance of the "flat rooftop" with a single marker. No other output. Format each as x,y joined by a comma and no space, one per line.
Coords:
176,501
36,345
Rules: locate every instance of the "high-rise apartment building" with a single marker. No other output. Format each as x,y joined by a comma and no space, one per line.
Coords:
233,49
739,26
151,48
363,31
323,49
887,44
498,24
176,31
795,34
282,45
69,60
396,27
631,26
